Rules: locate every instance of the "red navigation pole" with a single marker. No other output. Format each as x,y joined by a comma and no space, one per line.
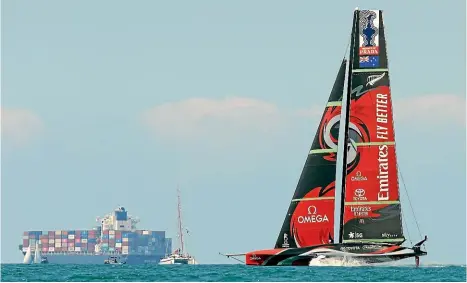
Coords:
180,230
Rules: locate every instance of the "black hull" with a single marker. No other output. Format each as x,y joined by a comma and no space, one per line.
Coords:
364,253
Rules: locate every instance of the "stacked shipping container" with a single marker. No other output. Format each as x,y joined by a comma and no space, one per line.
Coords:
143,242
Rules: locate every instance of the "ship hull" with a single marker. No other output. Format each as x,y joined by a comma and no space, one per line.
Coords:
99,259
361,252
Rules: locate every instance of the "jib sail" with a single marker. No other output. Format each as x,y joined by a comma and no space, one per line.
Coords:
310,217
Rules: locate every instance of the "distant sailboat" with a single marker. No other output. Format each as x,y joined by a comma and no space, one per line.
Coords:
179,256
37,254
27,257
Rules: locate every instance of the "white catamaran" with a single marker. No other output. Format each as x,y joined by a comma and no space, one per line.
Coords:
370,224
179,256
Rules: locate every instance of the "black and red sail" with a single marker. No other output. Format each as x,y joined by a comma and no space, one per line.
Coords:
371,210
310,218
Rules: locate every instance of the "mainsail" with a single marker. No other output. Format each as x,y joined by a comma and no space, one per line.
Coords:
310,217
371,207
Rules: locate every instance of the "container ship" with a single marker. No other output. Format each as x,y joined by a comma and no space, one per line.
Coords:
116,235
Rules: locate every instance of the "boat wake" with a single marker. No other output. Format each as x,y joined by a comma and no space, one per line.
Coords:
336,262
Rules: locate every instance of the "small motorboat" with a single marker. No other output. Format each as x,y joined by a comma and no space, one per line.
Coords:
114,260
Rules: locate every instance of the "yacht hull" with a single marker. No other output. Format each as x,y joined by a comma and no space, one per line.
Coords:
368,253
180,260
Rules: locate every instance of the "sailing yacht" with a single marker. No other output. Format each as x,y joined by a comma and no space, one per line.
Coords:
370,224
37,258
179,256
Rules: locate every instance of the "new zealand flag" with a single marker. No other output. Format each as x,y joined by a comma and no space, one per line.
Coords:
369,61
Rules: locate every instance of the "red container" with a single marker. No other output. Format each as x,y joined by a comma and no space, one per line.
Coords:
125,244
111,243
45,249
106,232
25,243
44,241
51,233
64,240
118,234
77,232
65,233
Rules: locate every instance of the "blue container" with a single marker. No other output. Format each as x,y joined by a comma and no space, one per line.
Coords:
125,235
92,241
64,236
71,232
77,244
105,237
118,240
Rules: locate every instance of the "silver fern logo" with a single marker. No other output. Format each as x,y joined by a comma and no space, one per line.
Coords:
371,80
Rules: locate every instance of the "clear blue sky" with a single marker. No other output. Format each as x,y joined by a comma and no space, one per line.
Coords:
115,102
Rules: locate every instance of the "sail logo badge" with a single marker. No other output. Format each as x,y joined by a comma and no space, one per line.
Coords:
373,79
389,235
254,257
286,241
360,210
359,195
358,177
355,235
369,32
312,216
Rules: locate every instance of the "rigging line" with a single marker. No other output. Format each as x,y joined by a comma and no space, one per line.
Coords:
348,44
406,226
410,203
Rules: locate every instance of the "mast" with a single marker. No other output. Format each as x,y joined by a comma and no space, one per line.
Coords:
346,124
180,229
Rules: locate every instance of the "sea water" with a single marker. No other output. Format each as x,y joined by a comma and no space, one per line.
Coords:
231,273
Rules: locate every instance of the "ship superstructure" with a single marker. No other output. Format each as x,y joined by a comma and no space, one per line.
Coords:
115,234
